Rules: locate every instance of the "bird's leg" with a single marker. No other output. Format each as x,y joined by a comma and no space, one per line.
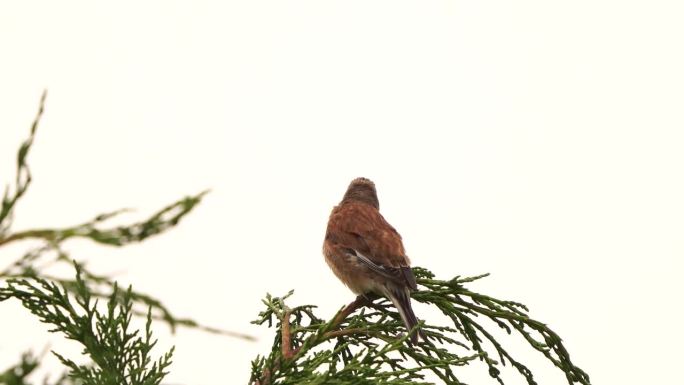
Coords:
370,297
360,301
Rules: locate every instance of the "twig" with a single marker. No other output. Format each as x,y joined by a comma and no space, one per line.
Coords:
287,350
286,336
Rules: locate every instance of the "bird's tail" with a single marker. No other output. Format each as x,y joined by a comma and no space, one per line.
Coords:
400,297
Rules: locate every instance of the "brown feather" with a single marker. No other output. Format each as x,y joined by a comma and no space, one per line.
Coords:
366,252
361,227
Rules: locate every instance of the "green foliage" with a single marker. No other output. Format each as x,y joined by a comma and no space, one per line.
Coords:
23,178
120,356
35,262
17,375
360,345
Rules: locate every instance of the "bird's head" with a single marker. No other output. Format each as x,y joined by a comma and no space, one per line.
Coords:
362,190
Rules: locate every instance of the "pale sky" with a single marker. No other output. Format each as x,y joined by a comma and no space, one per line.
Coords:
539,141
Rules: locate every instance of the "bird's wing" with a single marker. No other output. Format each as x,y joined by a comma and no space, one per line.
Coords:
363,232
402,274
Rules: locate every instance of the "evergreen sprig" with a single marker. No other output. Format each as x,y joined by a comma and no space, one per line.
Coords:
361,345
162,220
23,176
120,356
49,249
17,374
35,262
28,363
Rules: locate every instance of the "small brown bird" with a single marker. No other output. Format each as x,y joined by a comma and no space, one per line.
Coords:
366,253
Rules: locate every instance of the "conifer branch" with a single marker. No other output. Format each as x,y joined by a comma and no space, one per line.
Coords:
20,373
361,342
120,356
23,178
34,262
164,219
24,277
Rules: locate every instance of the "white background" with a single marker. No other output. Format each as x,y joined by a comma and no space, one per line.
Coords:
540,141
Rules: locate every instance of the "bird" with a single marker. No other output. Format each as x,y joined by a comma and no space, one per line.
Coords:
367,254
